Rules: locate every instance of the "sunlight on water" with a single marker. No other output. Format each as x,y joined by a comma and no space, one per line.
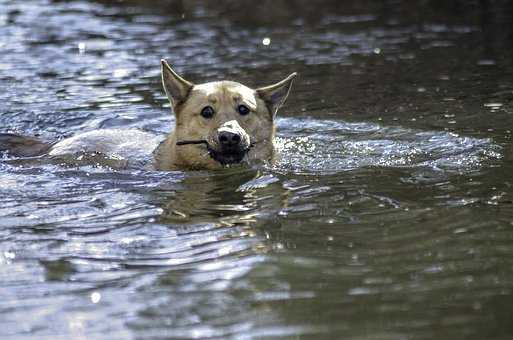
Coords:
387,216
310,145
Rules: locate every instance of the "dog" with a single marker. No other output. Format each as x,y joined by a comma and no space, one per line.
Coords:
218,124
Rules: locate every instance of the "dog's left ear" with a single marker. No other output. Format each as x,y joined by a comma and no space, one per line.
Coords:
177,88
275,95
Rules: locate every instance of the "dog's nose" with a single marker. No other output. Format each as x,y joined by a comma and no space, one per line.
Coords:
229,139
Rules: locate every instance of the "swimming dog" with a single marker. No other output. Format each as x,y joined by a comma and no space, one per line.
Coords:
218,124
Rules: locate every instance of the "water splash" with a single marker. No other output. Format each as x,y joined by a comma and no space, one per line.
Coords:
328,146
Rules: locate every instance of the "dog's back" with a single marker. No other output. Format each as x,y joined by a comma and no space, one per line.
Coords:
117,143
112,147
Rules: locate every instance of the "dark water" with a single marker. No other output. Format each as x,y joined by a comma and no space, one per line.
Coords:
389,215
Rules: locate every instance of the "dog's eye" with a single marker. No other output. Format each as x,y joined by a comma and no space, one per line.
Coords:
243,110
207,112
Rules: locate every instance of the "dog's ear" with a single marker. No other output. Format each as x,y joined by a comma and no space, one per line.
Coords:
275,95
177,88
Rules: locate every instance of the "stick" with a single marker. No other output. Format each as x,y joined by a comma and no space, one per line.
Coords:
185,142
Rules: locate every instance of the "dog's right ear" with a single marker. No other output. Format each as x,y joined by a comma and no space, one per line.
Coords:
177,89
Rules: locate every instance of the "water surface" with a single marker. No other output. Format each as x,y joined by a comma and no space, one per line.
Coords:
388,216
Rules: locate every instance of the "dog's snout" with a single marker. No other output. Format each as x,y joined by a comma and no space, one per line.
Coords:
229,143
229,139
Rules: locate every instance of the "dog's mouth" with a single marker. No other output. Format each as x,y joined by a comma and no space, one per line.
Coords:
225,156
229,156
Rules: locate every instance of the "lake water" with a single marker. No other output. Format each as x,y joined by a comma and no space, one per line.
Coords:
388,216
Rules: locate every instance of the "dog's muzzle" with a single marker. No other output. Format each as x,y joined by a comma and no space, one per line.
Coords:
230,143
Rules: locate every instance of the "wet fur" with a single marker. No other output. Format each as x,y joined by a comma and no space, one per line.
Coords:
224,97
187,100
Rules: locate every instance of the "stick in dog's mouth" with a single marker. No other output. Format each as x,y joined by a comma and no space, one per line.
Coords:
202,141
221,158
185,142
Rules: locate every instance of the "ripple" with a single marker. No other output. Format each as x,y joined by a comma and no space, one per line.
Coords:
310,145
358,221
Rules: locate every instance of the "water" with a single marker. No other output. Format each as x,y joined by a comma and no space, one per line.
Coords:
388,216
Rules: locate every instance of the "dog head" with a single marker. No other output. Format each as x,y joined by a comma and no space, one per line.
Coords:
224,122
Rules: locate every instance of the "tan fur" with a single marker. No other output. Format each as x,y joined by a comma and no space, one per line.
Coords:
224,97
256,129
